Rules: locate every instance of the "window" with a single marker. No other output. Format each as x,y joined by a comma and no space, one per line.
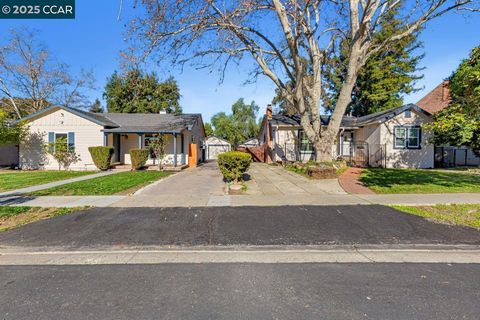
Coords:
407,138
305,144
69,138
408,114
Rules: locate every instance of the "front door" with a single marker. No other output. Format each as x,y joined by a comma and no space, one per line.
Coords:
116,146
192,155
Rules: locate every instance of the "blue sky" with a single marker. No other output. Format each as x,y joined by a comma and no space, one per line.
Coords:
94,38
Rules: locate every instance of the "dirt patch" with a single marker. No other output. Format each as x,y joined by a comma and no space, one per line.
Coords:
32,215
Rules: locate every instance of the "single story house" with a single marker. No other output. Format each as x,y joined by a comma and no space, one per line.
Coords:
214,146
185,136
393,138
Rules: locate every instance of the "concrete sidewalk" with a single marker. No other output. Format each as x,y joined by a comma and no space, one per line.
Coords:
22,191
208,200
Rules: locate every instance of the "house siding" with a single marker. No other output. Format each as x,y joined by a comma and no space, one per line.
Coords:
87,134
407,158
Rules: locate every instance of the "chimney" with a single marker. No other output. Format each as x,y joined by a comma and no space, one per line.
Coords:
269,111
446,90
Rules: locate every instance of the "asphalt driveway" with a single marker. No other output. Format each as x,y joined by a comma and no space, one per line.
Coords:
298,225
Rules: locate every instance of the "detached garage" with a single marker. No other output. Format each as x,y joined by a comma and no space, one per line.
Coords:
214,146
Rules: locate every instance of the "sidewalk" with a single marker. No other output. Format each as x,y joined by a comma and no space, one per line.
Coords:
189,200
21,191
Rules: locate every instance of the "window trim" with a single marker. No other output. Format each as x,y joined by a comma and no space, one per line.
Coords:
300,133
405,138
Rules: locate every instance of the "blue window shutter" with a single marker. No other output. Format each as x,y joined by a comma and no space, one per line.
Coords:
71,140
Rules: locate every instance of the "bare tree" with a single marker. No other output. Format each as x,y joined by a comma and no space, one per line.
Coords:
29,71
288,41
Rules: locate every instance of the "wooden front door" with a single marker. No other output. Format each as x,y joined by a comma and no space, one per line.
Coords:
192,155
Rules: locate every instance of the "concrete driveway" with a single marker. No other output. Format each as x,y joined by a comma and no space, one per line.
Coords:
276,180
189,188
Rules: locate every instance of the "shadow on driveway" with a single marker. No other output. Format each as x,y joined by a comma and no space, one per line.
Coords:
299,225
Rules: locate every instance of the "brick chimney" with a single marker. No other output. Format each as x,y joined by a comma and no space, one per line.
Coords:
446,90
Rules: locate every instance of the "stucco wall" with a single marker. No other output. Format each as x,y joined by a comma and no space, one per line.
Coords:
407,158
87,134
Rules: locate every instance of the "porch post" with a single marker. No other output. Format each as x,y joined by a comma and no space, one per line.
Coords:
174,149
182,149
140,142
105,139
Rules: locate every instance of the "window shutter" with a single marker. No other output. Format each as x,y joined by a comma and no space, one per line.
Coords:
71,140
51,140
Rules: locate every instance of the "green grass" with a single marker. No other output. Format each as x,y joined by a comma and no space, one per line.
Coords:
123,182
419,181
13,217
458,214
22,179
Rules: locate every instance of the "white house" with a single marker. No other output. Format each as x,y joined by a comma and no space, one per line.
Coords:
393,138
124,131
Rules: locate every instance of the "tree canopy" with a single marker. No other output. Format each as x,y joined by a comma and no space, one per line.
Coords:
216,33
138,92
459,123
238,126
96,107
386,76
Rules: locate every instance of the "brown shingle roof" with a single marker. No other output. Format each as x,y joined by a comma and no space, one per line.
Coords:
437,99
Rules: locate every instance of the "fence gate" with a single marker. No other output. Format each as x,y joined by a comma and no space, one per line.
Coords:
359,154
446,157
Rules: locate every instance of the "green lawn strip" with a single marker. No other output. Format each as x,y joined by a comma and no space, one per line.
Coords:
459,214
13,217
22,179
123,182
419,181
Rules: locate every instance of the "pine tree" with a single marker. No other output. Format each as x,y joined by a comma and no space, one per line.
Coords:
96,107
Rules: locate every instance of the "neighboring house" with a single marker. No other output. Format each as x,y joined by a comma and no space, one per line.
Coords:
214,146
253,142
392,138
447,156
185,135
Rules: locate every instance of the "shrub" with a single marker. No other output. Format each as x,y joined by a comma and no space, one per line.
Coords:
101,156
139,158
234,164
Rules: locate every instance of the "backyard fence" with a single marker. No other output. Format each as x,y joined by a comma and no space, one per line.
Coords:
447,157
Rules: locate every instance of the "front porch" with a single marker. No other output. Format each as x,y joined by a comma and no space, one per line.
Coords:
176,149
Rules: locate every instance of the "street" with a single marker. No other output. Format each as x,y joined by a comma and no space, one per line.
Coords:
241,291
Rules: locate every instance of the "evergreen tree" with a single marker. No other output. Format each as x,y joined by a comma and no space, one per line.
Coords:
385,78
96,107
138,92
208,129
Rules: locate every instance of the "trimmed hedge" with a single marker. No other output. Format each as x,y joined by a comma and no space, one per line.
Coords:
101,156
234,164
139,158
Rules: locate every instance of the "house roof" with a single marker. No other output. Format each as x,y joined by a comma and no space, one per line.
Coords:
131,122
348,121
437,99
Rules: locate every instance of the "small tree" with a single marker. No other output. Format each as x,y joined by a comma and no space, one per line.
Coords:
63,153
157,146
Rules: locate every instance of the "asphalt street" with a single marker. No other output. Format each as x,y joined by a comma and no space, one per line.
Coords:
241,291
288,225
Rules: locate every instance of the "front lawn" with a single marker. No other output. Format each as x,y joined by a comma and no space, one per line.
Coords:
21,179
12,217
459,214
419,181
117,183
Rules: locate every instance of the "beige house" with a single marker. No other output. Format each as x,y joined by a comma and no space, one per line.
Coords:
393,139
124,131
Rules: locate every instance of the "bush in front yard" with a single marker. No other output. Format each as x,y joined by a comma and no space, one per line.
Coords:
101,156
139,158
234,164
